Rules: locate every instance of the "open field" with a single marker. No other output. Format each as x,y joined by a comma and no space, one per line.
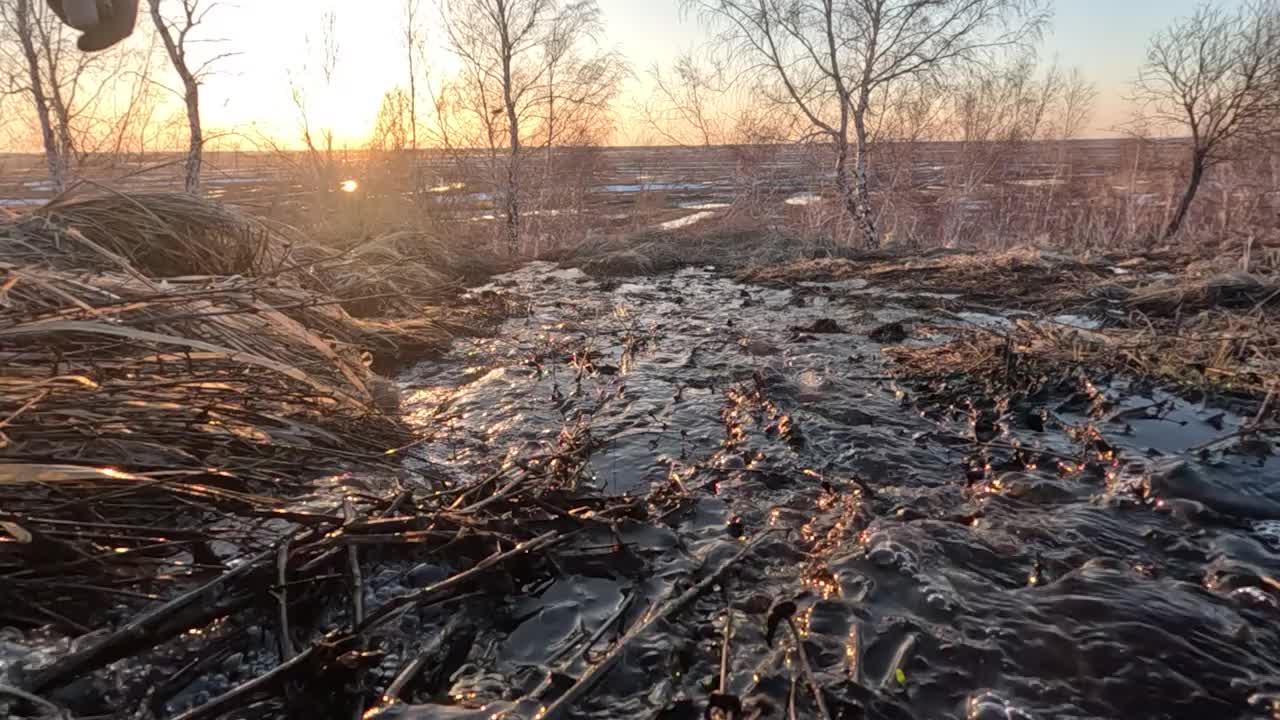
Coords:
1078,195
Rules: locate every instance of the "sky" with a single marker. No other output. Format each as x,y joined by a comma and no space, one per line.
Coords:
251,92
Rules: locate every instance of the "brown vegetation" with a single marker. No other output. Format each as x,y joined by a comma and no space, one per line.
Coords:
1201,331
148,422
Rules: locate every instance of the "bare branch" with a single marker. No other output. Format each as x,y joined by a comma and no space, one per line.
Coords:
1216,74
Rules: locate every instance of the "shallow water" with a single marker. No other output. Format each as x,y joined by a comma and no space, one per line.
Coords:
1087,551
1120,572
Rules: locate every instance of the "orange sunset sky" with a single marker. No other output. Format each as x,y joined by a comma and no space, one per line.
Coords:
250,93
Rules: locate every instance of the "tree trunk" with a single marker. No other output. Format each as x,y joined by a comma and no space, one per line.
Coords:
195,154
551,118
61,113
413,103
1193,185
844,186
53,148
191,96
866,217
513,164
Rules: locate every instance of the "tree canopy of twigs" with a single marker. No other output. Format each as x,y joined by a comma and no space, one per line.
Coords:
531,75
81,103
688,101
1216,74
839,63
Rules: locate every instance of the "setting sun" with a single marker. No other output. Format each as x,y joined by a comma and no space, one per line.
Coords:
349,186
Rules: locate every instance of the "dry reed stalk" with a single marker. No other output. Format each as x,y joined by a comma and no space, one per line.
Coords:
160,234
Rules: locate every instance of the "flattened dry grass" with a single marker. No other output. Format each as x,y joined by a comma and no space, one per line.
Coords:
158,234
1010,278
240,370
1180,296
1218,331
394,274
112,369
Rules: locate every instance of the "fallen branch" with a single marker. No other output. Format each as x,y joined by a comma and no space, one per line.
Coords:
395,605
143,632
589,679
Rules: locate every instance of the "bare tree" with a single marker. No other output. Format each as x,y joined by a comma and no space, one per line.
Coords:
176,36
529,73
837,62
1079,94
1216,73
415,45
493,38
392,130
320,152
579,87
19,20
686,106
80,100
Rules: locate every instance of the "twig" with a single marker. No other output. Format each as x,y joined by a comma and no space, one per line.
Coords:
393,606
353,568
724,649
223,702
282,597
402,679
784,612
608,623
357,593
1266,405
792,714
1248,429
729,706
36,700
899,658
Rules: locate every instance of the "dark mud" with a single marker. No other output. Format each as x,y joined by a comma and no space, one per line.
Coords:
1083,552
1086,547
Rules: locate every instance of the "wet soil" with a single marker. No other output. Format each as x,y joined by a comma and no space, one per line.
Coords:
1081,551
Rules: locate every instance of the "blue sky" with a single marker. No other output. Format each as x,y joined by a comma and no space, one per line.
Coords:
1108,42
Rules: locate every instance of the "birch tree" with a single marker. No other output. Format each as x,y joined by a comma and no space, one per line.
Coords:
75,96
836,63
529,73
176,35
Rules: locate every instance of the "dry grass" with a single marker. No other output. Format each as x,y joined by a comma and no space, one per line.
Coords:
146,367
1179,296
160,439
160,234
939,271
392,275
1213,350
113,369
1219,332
